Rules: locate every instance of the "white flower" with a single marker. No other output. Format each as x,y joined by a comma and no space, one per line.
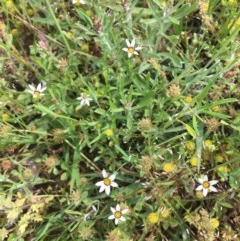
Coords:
84,99
206,185
37,92
118,214
107,183
94,210
78,1
131,48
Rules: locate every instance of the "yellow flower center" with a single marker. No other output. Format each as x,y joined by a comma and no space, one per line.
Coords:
153,218
206,184
131,50
36,94
107,181
109,132
117,214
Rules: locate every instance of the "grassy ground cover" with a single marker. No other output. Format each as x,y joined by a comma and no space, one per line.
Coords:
119,120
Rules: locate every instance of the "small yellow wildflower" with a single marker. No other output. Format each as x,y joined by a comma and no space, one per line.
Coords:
153,218
208,144
194,161
232,2
205,7
214,223
5,117
188,99
199,195
216,108
219,158
190,145
169,167
15,32
30,12
165,213
109,132
85,47
223,169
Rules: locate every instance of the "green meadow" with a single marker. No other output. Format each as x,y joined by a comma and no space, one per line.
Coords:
119,120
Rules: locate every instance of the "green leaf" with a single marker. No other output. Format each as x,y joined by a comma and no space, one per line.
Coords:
190,130
64,176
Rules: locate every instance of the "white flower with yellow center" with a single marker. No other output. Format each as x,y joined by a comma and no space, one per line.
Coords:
117,214
107,183
84,99
37,92
78,1
206,185
131,50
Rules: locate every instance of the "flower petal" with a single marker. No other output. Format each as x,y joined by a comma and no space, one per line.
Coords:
205,178
30,91
107,190
128,43
200,180
213,182
205,192
104,173
124,211
213,189
116,221
133,43
102,188
39,87
32,87
199,188
113,210
122,219
111,217
118,207
112,177
125,49
114,184
100,183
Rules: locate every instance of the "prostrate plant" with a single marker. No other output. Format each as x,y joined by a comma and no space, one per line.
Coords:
119,120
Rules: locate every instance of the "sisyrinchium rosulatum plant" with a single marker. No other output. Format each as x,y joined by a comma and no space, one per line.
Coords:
120,120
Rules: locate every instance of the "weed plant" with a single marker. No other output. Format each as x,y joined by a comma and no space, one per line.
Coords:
120,120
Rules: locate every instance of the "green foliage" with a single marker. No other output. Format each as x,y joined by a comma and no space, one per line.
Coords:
156,113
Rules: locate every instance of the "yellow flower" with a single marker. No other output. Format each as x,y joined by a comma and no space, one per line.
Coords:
194,161
190,145
109,132
153,218
165,213
208,144
199,195
188,99
169,167
5,117
30,12
85,47
205,7
223,169
15,32
219,158
232,2
216,108
214,223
